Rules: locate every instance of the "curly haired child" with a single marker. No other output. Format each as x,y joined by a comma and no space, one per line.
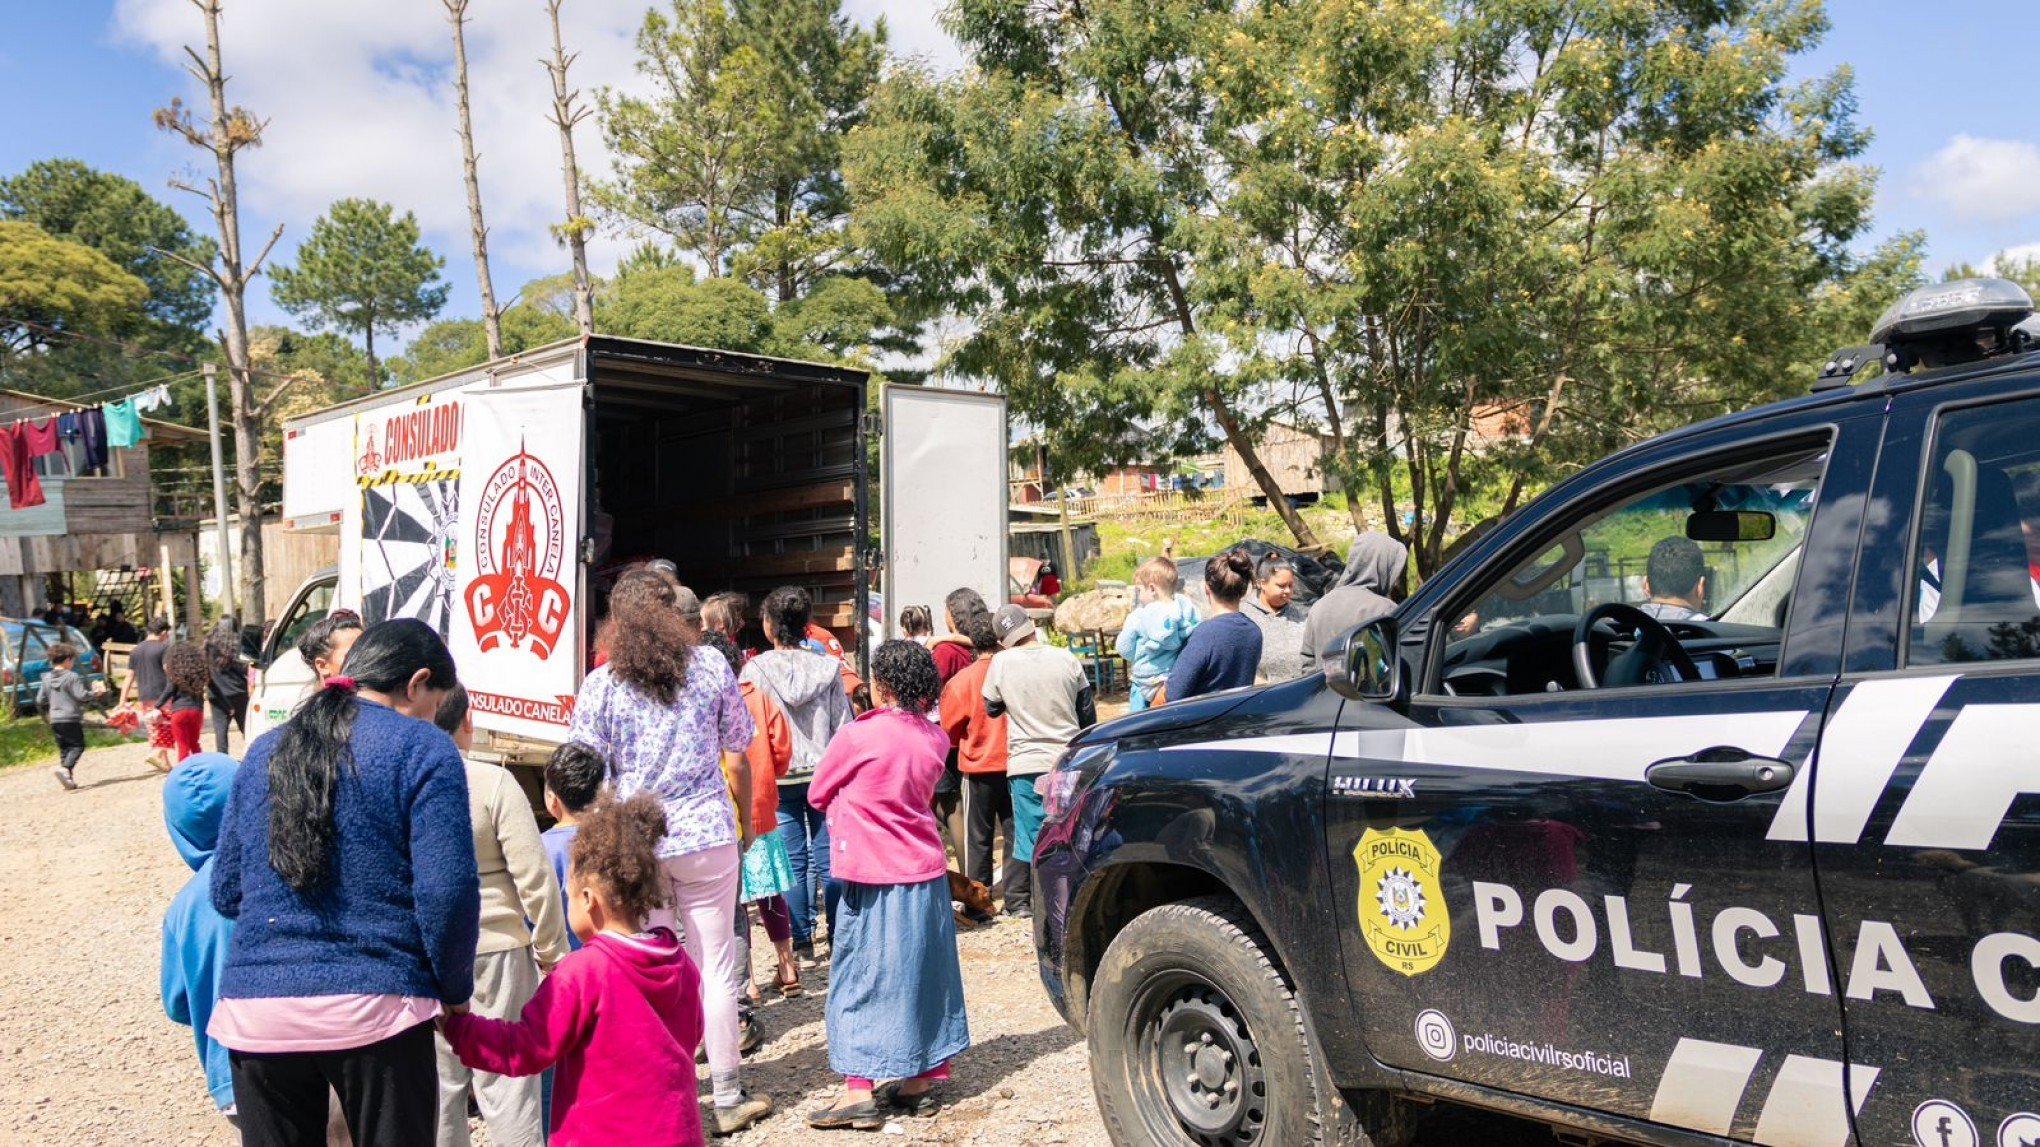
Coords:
622,1016
188,674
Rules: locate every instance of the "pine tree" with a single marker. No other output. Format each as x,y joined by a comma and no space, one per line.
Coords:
363,270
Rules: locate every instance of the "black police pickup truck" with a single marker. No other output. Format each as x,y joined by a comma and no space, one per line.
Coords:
1698,802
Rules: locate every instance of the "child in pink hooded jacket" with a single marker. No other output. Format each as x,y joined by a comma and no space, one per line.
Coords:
622,1016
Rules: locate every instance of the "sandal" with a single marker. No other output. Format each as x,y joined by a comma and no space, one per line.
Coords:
863,1115
788,989
920,1104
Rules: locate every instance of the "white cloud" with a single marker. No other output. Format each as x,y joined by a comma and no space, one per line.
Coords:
1983,181
915,30
2025,252
359,99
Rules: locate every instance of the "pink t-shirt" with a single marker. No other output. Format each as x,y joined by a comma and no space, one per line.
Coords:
316,1023
875,781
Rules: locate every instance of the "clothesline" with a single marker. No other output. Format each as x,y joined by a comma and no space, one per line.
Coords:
131,348
77,401
83,435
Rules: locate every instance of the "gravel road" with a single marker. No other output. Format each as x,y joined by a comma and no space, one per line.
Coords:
87,1057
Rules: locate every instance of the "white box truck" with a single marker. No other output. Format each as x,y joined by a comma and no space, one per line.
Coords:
498,504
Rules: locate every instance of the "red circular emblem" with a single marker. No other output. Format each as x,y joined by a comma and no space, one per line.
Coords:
516,598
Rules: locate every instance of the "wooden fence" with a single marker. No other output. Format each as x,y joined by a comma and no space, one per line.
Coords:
1163,506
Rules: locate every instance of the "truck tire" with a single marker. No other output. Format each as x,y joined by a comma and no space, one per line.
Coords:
1197,1039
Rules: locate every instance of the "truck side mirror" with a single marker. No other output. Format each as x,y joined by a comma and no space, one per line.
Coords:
1365,664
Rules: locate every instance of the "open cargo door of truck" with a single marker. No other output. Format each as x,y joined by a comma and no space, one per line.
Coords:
943,486
516,631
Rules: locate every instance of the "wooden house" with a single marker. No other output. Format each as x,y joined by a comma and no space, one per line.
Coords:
98,522
1294,455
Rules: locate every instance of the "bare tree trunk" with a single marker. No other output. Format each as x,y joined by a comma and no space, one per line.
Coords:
492,319
224,133
565,115
1229,424
368,347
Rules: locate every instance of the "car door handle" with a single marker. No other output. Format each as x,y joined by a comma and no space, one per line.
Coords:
1720,774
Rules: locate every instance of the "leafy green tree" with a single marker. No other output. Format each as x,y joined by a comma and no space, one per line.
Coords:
1169,220
735,155
821,67
362,270
841,319
691,153
62,286
669,304
113,215
456,344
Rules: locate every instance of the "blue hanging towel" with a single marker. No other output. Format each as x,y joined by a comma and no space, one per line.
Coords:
123,424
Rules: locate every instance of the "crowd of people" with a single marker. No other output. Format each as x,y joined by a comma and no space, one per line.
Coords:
1253,629
377,930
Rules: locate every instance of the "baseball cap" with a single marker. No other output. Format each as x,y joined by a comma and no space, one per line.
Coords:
687,602
1012,625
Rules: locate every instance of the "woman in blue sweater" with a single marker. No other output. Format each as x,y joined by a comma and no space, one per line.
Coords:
1223,651
347,862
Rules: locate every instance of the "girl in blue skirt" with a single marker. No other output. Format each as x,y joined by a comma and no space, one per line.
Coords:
895,1012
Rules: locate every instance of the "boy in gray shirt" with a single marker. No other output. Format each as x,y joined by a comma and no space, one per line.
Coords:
63,696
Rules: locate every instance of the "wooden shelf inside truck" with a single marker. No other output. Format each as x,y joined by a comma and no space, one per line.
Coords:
820,496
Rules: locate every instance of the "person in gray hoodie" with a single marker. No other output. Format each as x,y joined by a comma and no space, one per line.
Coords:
1368,588
63,696
809,689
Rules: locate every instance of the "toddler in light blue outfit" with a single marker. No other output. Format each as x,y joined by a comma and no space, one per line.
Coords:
1154,634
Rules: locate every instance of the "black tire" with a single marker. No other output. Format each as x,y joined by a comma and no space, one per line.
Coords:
1197,1039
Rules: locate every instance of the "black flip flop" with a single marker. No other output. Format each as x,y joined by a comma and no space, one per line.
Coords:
920,1106
860,1116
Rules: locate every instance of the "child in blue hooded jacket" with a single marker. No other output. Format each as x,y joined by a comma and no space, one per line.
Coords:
1155,632
195,935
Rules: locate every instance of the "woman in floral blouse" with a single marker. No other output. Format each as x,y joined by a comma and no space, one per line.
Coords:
663,716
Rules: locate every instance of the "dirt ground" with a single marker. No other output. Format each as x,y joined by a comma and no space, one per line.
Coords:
87,1056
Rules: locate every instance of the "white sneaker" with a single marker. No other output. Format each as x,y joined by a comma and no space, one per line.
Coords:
64,778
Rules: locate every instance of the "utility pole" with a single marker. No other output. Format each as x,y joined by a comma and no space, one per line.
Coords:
1062,498
219,491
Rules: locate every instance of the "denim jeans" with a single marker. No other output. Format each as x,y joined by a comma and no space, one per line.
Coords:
806,836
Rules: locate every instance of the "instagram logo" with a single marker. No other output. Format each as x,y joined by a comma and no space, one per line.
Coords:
1435,1035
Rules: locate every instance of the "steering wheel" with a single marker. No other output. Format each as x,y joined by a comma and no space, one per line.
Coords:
1657,657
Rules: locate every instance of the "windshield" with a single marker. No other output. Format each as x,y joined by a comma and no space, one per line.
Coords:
1611,558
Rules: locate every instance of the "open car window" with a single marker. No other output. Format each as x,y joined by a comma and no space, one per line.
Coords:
1712,557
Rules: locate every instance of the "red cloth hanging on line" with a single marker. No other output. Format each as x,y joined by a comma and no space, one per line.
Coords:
41,436
24,489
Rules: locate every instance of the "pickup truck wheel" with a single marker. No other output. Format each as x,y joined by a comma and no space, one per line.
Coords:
1197,1038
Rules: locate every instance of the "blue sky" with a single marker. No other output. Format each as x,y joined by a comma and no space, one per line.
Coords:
357,109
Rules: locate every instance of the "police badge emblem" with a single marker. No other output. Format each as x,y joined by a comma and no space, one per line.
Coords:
1403,917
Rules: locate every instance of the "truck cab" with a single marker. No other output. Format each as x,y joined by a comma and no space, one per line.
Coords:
1693,803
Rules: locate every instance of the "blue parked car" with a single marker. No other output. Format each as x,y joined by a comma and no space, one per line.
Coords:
26,658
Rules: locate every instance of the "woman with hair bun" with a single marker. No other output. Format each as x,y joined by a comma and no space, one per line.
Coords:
345,856
1224,651
895,988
